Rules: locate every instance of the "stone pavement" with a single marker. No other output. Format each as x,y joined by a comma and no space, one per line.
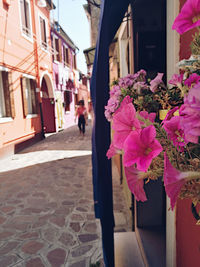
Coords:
46,205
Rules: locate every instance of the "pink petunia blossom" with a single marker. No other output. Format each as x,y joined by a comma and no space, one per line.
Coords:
112,106
193,79
126,82
175,132
173,181
116,91
148,116
176,80
185,20
127,100
156,82
124,122
138,86
111,151
141,147
135,184
190,114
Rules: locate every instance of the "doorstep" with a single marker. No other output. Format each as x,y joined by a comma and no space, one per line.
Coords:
127,252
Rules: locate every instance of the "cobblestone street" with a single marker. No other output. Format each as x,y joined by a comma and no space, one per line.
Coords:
46,204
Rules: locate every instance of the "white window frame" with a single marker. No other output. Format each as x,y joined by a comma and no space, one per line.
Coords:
47,37
29,96
2,99
54,48
29,38
3,118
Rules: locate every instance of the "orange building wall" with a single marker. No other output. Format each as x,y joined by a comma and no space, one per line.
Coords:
18,55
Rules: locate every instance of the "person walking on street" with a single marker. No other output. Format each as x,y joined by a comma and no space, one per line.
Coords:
81,112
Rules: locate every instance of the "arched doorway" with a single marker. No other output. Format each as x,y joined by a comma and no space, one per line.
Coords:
48,109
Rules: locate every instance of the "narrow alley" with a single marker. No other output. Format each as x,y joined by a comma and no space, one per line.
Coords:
46,204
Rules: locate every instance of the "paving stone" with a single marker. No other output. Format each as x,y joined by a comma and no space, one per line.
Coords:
40,194
56,257
67,239
91,217
75,226
90,227
81,263
32,247
58,220
5,235
50,234
7,209
68,203
22,195
8,260
2,219
87,237
80,251
81,209
77,217
62,210
34,263
8,247
18,226
29,235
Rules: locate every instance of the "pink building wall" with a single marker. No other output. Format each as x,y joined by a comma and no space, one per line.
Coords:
17,55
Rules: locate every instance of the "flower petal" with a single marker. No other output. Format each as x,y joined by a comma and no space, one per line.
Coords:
173,181
135,185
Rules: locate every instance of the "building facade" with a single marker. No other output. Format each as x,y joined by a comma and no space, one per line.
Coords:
68,81
25,70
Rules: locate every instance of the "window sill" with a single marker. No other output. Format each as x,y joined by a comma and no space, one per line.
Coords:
57,62
27,37
5,119
30,116
45,49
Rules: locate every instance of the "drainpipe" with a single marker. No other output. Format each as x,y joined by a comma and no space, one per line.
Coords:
37,65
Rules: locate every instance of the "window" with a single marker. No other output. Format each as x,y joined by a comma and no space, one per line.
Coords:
43,33
30,103
66,55
74,61
56,48
25,17
7,108
67,99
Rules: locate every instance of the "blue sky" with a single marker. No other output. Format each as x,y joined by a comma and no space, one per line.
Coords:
73,20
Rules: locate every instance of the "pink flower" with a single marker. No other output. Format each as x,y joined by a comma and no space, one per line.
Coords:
141,147
127,100
193,79
175,131
173,181
185,20
156,82
138,86
190,114
116,91
148,116
135,184
111,151
176,80
124,122
126,82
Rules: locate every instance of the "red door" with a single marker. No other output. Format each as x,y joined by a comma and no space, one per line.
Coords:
48,110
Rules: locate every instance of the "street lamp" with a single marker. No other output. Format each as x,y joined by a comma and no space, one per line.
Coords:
41,3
